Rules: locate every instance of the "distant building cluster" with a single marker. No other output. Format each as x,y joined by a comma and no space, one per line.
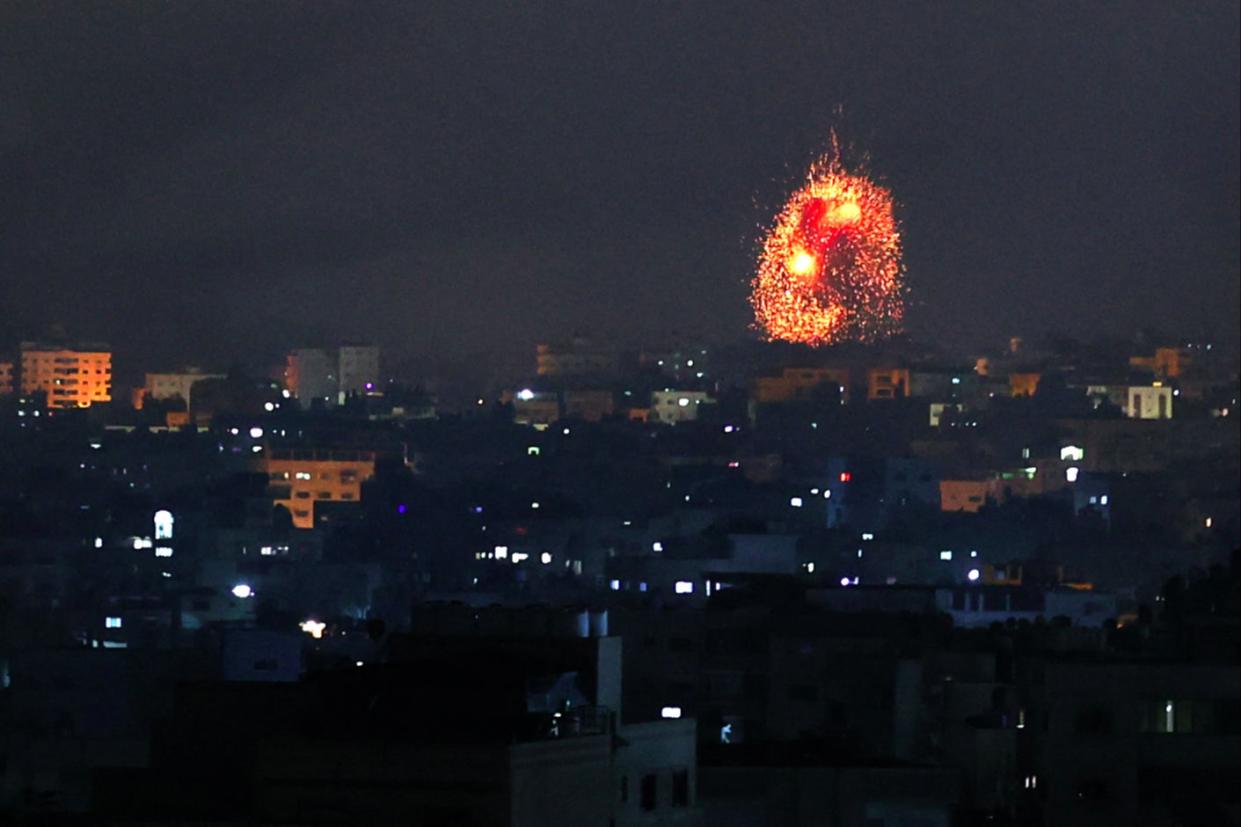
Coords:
695,584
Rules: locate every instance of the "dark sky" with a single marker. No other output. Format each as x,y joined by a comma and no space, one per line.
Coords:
206,179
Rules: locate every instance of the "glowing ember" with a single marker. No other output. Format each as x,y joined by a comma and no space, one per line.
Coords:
831,268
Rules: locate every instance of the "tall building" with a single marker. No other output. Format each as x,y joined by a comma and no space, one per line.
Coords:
329,375
310,375
71,376
358,369
580,358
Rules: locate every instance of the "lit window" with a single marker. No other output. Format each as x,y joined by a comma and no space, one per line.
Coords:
501,552
532,451
1071,473
241,590
1208,522
163,524
545,558
946,554
866,535
657,546
684,587
525,395
810,568
795,502
1103,500
256,433
670,712
314,628
614,585
112,622
1072,453
163,551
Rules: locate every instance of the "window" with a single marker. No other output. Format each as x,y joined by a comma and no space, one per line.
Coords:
647,793
680,788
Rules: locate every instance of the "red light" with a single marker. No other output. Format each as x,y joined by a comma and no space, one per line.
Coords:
845,476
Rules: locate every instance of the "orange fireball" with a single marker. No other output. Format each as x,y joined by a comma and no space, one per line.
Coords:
830,269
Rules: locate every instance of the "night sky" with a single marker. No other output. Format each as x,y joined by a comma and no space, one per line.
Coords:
206,180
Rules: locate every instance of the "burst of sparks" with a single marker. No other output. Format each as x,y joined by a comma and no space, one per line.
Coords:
830,269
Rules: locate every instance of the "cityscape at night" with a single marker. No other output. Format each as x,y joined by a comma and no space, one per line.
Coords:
620,415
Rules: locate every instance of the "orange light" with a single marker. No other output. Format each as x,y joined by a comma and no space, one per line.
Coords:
801,263
846,213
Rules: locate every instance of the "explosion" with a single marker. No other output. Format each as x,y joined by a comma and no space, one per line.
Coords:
830,269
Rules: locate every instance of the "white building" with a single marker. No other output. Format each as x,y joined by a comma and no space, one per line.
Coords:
1154,402
310,375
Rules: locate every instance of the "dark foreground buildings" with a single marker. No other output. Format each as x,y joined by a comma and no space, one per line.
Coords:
683,586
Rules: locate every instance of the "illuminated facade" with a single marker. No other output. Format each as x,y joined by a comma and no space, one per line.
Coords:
6,378
72,377
300,478
1153,402
887,383
1023,384
797,383
310,375
172,385
673,406
577,359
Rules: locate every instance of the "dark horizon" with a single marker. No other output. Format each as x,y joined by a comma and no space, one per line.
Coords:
199,183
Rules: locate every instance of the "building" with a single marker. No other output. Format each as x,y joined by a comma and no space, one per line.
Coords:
1135,742
588,405
1023,384
358,369
6,378
300,478
310,375
963,495
1154,402
537,409
799,383
673,406
326,376
887,383
1167,363
579,358
71,376
164,386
